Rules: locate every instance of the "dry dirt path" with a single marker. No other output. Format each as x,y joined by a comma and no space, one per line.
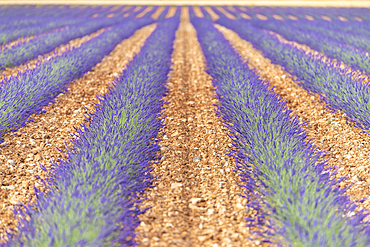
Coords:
157,13
196,202
213,14
346,146
37,141
171,12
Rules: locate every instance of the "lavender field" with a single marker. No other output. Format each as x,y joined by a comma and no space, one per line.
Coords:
184,126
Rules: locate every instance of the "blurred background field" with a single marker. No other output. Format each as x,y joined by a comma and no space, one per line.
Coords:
321,3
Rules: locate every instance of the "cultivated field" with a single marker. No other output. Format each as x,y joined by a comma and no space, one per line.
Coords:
184,126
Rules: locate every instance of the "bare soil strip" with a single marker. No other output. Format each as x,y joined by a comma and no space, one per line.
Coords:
245,16
157,13
347,147
136,9
196,202
198,12
37,141
213,14
232,8
227,14
171,12
144,12
45,57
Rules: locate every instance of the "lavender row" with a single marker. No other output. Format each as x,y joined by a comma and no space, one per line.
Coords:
164,13
16,26
46,43
340,46
22,11
26,94
352,27
339,88
45,24
286,182
356,35
92,198
336,27
7,25
330,46
21,17
301,12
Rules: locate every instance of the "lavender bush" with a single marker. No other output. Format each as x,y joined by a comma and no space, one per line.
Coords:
20,24
92,198
46,43
339,88
334,46
26,94
297,200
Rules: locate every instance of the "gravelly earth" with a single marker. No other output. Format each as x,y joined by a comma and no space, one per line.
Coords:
196,202
37,141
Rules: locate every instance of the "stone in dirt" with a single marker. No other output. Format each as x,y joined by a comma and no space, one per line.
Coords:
197,158
175,185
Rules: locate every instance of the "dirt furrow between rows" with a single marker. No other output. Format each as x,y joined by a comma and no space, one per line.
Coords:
196,200
141,14
198,12
157,13
346,146
75,43
213,15
37,141
171,12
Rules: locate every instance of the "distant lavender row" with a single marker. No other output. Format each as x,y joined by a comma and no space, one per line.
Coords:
336,27
355,35
300,12
21,17
46,43
92,199
26,94
333,46
352,27
44,24
14,27
7,25
286,182
330,46
339,88
21,11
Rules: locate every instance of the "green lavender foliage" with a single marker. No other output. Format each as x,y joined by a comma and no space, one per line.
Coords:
93,195
339,88
331,46
288,185
26,93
